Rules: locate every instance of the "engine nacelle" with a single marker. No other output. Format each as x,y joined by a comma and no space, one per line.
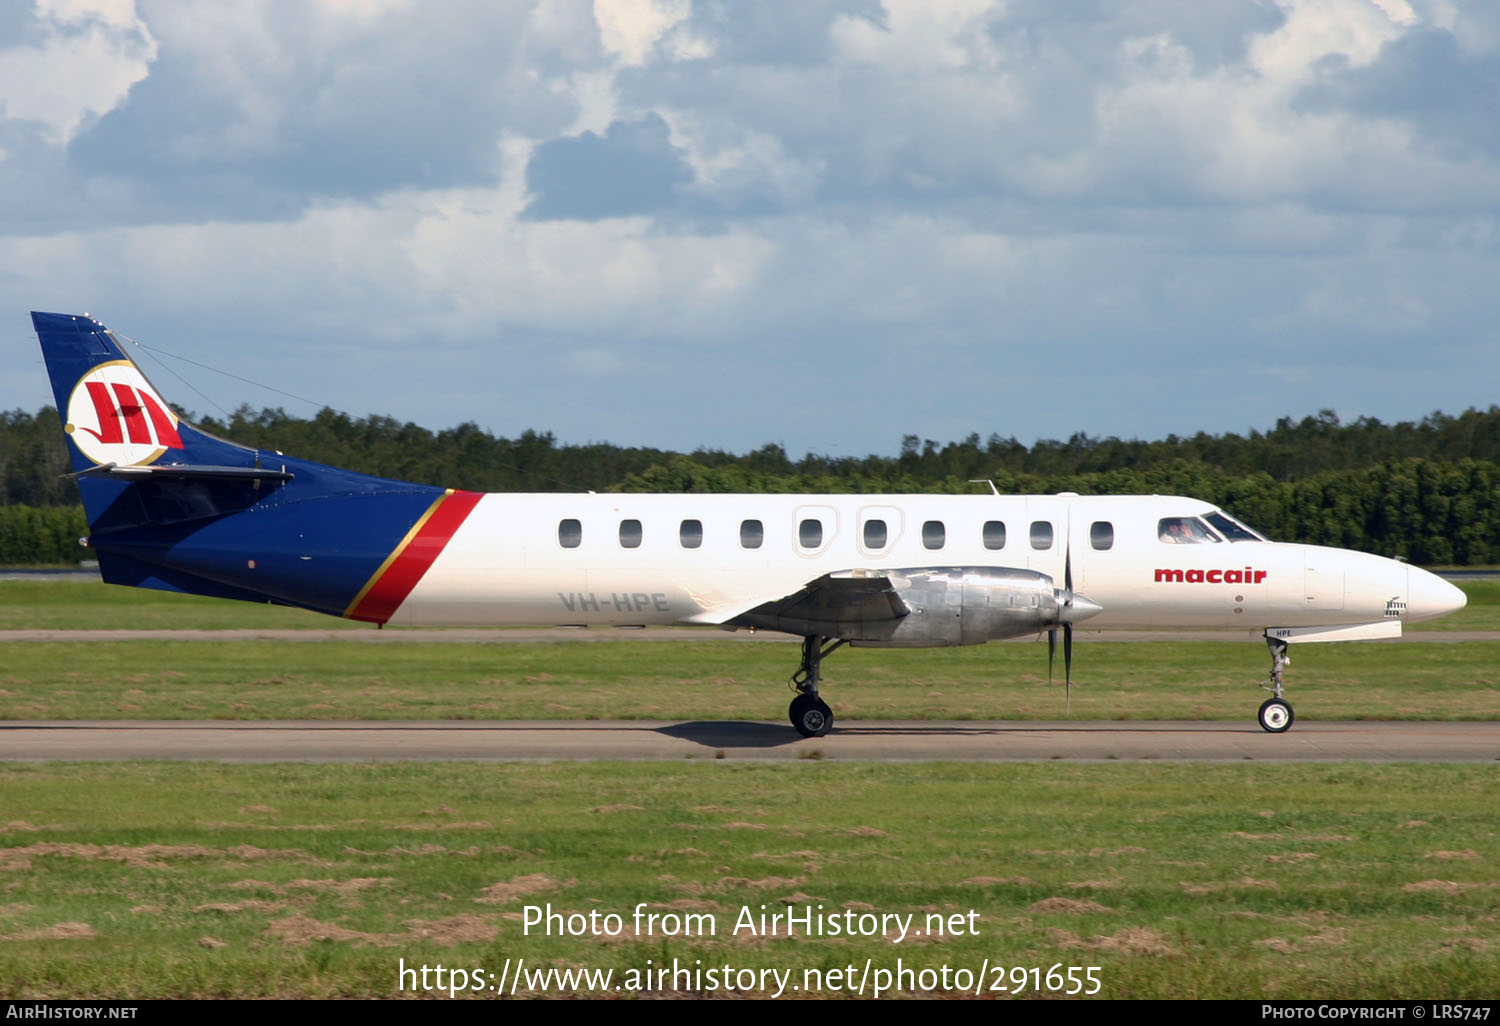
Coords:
966,605
922,607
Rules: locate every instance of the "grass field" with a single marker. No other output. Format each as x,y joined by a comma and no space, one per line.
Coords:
727,680
1177,881
72,603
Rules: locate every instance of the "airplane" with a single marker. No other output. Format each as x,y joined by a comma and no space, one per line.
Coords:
174,508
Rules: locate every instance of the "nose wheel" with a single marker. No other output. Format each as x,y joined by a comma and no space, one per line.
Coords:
1275,716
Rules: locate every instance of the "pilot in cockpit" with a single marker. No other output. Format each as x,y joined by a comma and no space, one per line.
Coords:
1183,531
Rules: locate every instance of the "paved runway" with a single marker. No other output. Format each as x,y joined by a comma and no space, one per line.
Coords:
965,741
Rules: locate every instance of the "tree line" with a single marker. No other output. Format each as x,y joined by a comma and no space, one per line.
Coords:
1428,490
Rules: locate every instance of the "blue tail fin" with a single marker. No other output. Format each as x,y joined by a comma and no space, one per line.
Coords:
172,507
119,427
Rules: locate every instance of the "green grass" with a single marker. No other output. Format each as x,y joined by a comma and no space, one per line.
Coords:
1179,881
74,603
722,680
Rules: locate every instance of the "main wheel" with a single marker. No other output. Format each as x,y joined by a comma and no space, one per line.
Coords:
1275,716
810,716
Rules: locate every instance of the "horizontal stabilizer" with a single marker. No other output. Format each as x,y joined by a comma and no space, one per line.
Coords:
185,472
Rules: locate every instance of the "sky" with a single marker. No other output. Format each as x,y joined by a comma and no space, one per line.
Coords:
824,224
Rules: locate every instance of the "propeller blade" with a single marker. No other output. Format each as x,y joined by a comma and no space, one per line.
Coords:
1068,665
1067,620
1051,652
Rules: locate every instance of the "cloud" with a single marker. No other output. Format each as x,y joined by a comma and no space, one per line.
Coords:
1428,81
1315,31
632,29
258,108
632,169
81,60
1019,216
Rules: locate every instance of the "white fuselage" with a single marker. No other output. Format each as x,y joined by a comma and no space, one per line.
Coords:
628,559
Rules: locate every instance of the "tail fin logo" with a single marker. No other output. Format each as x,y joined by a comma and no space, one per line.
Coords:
115,416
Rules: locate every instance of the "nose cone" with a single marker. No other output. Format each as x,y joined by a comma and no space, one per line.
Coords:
1079,609
1428,596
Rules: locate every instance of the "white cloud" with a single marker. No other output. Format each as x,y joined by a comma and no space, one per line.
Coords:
598,106
1316,29
973,203
90,54
363,10
566,28
732,163
921,35
631,29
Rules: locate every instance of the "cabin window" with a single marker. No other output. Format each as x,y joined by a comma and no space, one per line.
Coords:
690,534
994,534
630,534
810,533
569,534
934,535
752,533
1041,534
1102,535
875,534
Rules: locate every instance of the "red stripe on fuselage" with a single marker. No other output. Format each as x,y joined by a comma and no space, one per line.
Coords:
385,592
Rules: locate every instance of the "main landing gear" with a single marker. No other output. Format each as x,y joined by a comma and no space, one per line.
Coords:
809,713
1276,713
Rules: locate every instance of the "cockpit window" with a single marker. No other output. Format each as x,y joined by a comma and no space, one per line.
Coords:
1184,531
1232,529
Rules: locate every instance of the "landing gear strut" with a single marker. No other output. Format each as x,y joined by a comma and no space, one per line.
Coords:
1276,713
809,713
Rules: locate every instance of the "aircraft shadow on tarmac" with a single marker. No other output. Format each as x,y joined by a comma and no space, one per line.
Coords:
733,734
751,734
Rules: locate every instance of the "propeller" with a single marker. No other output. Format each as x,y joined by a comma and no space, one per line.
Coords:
1071,608
1064,614
1067,660
1068,626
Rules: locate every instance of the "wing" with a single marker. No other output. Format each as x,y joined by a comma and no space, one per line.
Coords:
845,603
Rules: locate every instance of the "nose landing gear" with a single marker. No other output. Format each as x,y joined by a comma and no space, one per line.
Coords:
1276,712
